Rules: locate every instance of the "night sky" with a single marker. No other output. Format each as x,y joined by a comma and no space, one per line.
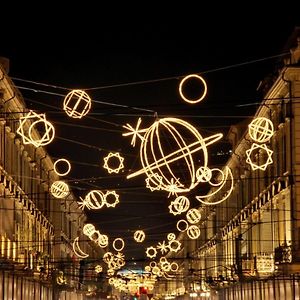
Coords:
138,66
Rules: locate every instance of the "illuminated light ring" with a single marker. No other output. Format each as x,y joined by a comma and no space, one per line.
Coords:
59,161
59,189
163,259
174,266
255,166
139,236
48,136
153,264
184,80
178,225
77,250
179,205
193,216
82,97
88,229
117,240
193,232
185,151
261,129
228,177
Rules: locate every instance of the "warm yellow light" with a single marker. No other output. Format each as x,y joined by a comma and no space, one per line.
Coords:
77,250
139,236
108,166
193,216
193,232
171,236
261,129
93,200
163,247
226,177
174,245
151,252
118,244
62,161
182,225
77,104
111,198
179,205
98,269
256,147
32,123
160,164
88,229
59,189
183,81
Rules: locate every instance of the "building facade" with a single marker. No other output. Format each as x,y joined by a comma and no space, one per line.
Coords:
36,229
249,246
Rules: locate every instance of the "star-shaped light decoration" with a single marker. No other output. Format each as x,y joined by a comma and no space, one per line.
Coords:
135,132
111,199
250,153
163,247
108,166
28,129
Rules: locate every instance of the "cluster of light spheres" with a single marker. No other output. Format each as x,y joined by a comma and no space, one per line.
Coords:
35,129
96,199
77,104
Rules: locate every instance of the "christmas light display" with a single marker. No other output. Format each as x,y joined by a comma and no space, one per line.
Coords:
62,161
59,189
107,162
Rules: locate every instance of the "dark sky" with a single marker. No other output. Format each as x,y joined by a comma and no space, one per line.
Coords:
138,63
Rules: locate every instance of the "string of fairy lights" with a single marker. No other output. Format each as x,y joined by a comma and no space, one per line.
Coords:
158,165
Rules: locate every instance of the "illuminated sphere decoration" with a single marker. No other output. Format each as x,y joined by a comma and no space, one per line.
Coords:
172,147
261,129
77,104
59,189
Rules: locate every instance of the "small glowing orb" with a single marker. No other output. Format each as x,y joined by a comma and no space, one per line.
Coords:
102,240
174,266
261,129
59,189
139,236
169,148
77,104
88,229
265,151
193,216
171,236
193,232
62,161
184,80
35,129
113,168
98,269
